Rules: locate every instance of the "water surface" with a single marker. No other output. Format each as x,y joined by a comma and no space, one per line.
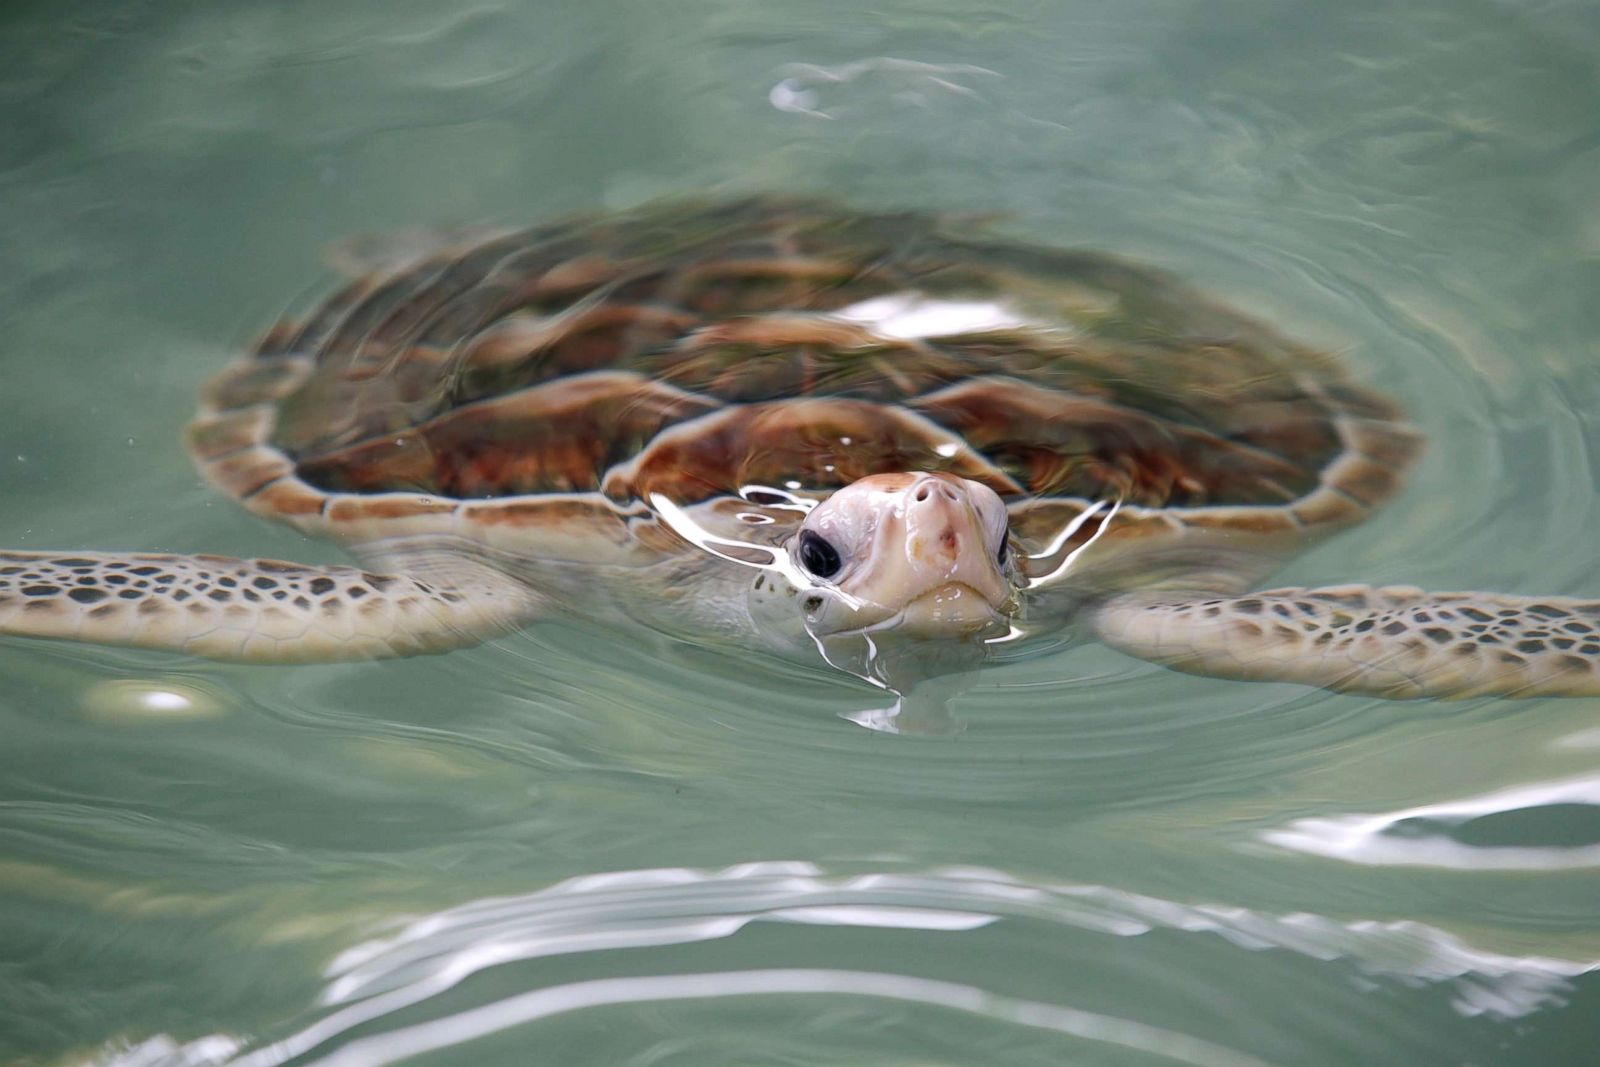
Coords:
571,846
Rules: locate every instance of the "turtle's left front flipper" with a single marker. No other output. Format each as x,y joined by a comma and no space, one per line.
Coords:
254,610
1393,642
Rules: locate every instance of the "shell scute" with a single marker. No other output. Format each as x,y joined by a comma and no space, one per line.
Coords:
212,437
1365,480
242,474
1058,443
1389,443
558,437
1329,508
796,444
288,499
245,384
361,518
569,528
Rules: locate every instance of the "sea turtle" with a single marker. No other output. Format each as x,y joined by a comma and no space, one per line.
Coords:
787,424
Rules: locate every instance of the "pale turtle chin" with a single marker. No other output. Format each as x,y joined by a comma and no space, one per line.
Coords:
923,556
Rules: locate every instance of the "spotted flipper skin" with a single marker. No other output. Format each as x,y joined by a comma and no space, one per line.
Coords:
1394,642
257,611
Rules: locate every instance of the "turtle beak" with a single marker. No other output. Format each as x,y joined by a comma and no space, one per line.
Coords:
954,582
952,610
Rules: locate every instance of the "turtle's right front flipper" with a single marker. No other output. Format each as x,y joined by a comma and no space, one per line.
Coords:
1394,642
260,611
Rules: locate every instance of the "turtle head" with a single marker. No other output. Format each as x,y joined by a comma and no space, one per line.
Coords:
923,555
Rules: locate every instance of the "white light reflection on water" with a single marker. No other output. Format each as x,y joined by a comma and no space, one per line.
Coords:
914,316
556,1000
650,908
1066,533
149,700
1384,840
163,1051
636,908
905,81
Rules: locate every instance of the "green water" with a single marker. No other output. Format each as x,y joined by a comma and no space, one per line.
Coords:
574,847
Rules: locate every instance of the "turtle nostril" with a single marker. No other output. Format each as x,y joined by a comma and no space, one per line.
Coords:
921,493
813,602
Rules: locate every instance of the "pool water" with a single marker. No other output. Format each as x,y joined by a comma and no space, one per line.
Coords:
576,845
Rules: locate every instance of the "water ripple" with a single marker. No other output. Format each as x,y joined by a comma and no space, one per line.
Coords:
543,1003
1408,186
1441,835
376,984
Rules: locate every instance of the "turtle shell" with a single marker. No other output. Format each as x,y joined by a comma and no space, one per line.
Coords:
539,389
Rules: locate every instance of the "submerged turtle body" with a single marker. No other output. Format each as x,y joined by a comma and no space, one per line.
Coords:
783,422
533,392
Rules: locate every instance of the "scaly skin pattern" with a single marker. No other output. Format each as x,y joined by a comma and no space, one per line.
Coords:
259,611
1397,642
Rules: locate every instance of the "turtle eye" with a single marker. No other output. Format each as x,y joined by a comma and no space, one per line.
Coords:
817,556
1003,551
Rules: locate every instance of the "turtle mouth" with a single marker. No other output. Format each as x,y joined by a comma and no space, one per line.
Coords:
954,608
951,609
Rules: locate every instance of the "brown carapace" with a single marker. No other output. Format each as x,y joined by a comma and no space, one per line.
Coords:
695,351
